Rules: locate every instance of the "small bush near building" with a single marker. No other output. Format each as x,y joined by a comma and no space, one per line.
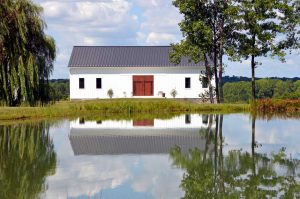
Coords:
110,93
173,93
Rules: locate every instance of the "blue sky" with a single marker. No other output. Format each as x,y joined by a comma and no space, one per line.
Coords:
132,22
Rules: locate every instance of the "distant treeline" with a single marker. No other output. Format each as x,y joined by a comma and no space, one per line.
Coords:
248,79
59,89
240,91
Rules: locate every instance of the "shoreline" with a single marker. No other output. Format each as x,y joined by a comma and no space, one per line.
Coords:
118,107
141,108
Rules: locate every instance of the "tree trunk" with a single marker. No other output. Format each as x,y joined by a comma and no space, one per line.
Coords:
253,77
221,94
253,69
215,47
208,75
216,72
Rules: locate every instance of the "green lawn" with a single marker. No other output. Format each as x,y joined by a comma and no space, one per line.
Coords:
119,108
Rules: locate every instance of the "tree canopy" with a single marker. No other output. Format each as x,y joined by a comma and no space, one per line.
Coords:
205,28
240,29
264,28
26,53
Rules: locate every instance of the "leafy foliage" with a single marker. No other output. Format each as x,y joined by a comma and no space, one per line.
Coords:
26,53
239,29
59,90
205,28
265,88
264,28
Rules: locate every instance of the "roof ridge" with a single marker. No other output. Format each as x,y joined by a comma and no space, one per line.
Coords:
127,56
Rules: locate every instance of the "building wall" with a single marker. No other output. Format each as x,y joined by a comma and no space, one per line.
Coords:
119,79
186,121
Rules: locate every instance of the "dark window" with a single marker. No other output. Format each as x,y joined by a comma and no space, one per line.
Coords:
187,82
204,119
204,82
98,83
99,122
81,120
81,82
187,118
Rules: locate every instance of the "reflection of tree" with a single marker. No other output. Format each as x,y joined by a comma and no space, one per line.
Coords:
238,174
27,157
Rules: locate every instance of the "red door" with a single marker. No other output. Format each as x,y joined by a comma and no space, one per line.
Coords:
143,122
143,85
139,88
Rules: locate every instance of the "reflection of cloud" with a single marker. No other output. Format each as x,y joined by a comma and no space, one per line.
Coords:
158,178
78,176
153,174
87,176
272,135
83,175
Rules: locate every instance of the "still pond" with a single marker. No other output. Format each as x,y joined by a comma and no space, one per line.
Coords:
187,156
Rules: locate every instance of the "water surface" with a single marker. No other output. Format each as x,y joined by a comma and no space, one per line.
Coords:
188,156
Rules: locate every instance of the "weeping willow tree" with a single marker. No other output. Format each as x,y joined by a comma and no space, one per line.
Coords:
27,157
26,53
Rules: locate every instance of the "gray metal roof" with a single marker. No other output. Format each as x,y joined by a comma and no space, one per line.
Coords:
150,141
124,56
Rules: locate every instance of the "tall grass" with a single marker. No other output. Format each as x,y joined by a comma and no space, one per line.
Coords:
276,106
123,107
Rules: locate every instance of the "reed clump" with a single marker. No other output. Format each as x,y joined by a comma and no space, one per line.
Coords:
276,106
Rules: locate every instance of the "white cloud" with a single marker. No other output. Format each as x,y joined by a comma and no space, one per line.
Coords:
88,41
130,22
154,38
88,23
159,24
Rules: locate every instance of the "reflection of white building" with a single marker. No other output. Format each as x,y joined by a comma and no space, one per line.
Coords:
137,136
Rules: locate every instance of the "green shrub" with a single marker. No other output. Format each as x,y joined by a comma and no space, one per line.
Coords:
110,93
173,93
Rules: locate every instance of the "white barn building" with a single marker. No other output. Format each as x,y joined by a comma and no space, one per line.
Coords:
131,72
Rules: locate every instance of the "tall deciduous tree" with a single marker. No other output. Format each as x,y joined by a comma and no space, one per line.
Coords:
207,25
265,28
26,53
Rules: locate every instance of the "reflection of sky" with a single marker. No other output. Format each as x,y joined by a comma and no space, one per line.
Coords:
117,176
270,135
152,176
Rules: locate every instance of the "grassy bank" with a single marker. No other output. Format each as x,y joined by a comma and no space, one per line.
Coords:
277,106
123,108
